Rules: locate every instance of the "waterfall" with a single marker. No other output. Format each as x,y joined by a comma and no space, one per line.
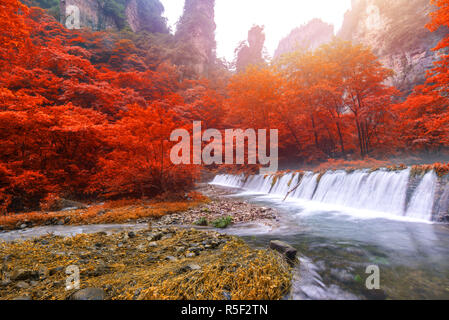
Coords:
229,181
422,202
442,208
307,187
381,190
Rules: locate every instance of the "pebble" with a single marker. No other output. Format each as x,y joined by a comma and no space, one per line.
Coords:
194,267
22,285
88,294
131,234
171,258
22,298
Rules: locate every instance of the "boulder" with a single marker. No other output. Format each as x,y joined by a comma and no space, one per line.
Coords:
193,267
285,249
155,236
88,294
5,283
22,298
64,204
171,258
22,285
22,274
131,234
189,267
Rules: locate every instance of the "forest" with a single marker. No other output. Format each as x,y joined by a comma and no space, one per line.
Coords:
88,114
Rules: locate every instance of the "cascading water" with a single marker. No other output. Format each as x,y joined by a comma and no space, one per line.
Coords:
422,202
306,187
229,181
381,191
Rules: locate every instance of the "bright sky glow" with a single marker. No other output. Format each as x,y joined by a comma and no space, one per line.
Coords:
235,17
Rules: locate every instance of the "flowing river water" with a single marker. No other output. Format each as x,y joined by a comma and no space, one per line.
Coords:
341,223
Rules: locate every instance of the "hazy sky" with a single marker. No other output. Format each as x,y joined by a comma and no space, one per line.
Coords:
235,17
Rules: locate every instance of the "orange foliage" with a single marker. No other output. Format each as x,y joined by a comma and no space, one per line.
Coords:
120,211
326,103
424,116
80,120
82,114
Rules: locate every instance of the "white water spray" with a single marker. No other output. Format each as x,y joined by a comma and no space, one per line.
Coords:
381,191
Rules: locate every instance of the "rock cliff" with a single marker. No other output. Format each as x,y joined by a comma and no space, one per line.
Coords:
394,29
139,15
196,30
251,52
396,32
309,36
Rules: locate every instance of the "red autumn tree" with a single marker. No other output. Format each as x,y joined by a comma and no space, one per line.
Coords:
424,116
139,162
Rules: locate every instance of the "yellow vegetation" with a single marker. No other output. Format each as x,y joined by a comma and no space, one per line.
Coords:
109,212
130,268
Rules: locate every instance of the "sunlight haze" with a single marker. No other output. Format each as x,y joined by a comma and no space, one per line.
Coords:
235,17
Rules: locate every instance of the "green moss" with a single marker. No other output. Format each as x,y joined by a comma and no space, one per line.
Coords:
222,223
114,9
52,6
201,222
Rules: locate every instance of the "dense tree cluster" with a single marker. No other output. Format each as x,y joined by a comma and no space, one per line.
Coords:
89,114
332,103
84,114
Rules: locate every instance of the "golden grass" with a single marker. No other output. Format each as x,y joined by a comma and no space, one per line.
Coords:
110,212
232,268
244,273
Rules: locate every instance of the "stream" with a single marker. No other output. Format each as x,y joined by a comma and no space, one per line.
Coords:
388,225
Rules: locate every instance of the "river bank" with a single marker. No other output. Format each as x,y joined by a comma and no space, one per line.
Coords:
209,207
126,250
157,263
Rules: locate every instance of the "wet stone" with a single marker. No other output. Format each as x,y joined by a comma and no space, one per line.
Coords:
22,298
131,234
171,258
22,285
22,274
88,294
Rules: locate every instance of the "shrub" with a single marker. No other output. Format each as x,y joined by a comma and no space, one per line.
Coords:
222,223
201,222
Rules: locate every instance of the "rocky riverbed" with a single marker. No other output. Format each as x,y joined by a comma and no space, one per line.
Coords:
219,208
165,260
158,263
211,207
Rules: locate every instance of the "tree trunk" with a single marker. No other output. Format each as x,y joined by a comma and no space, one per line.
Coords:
340,135
359,134
314,131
